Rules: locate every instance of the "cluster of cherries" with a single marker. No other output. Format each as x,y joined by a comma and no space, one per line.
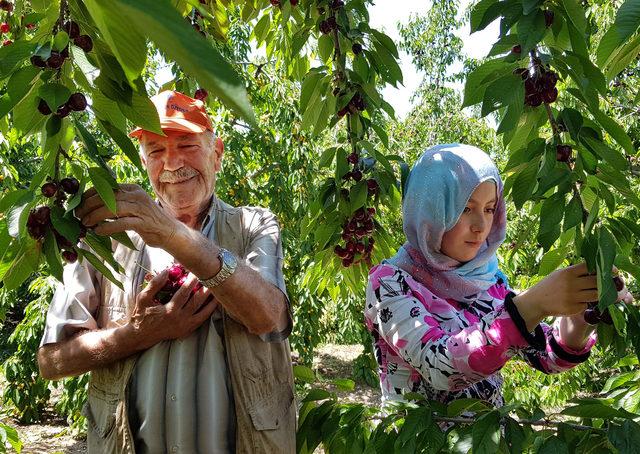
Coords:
356,233
593,316
329,24
177,275
356,104
539,86
56,59
39,220
76,102
4,27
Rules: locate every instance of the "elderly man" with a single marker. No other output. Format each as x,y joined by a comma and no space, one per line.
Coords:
210,371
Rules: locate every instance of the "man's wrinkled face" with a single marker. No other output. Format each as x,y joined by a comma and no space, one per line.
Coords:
182,168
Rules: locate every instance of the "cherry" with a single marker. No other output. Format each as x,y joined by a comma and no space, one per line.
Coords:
353,158
70,256
342,112
49,189
325,28
619,283
275,2
201,94
6,6
347,261
4,28
522,72
372,211
335,4
592,316
38,62
63,243
517,49
606,317
43,107
563,153
361,232
70,185
55,60
176,271
356,48
550,96
372,185
65,52
356,175
84,42
351,226
548,18
7,42
77,102
63,110
72,28
358,102
293,2
360,214
38,221
534,100
360,247
341,252
83,232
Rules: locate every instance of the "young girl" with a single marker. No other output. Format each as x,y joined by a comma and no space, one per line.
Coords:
443,319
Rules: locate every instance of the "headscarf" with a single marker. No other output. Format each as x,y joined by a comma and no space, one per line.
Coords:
437,191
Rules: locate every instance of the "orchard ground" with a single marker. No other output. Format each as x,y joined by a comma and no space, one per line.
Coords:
331,361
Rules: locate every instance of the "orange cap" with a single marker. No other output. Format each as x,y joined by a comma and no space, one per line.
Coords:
179,112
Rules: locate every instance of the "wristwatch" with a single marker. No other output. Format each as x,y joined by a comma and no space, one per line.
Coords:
229,264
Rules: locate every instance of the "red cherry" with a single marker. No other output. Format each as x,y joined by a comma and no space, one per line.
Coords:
4,27
49,189
70,256
70,185
619,283
517,49
563,153
72,28
201,94
353,158
43,107
7,42
77,102
592,316
84,42
548,18
5,5
356,175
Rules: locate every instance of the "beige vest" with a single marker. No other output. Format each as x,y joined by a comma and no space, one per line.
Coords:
260,372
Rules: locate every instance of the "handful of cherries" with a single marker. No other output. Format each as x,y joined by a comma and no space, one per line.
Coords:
177,276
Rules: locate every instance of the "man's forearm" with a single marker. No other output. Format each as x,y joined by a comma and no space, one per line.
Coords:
86,351
245,295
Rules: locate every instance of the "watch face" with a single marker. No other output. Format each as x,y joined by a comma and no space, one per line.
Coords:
229,259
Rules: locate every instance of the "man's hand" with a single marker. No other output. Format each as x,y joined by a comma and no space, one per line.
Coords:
188,309
135,210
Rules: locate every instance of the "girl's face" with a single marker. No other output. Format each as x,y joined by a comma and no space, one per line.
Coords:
463,241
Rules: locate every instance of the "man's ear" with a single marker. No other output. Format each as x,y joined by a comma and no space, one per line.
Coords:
218,150
143,159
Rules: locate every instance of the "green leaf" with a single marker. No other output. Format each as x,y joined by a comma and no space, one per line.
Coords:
613,157
505,91
325,47
459,406
19,84
125,144
315,394
101,267
486,433
123,238
594,409
553,445
625,438
524,183
607,293
90,144
480,78
13,55
613,128
483,13
15,198
52,254
304,373
531,29
101,245
344,384
60,40
25,263
572,120
309,84
416,421
141,111
358,195
66,225
178,40
552,260
572,214
625,25
104,184
550,218
575,13
386,42
54,94
326,158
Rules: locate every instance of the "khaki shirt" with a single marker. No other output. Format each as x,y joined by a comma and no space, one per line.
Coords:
181,397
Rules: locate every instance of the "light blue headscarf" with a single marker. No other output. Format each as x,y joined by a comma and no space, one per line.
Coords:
437,191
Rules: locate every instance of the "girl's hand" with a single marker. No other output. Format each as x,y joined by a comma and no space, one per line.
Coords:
564,292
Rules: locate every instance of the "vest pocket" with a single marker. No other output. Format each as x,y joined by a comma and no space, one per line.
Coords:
100,411
268,414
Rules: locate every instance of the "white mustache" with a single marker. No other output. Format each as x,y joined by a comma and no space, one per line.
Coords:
177,176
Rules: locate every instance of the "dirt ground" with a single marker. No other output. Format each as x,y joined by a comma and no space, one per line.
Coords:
52,435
